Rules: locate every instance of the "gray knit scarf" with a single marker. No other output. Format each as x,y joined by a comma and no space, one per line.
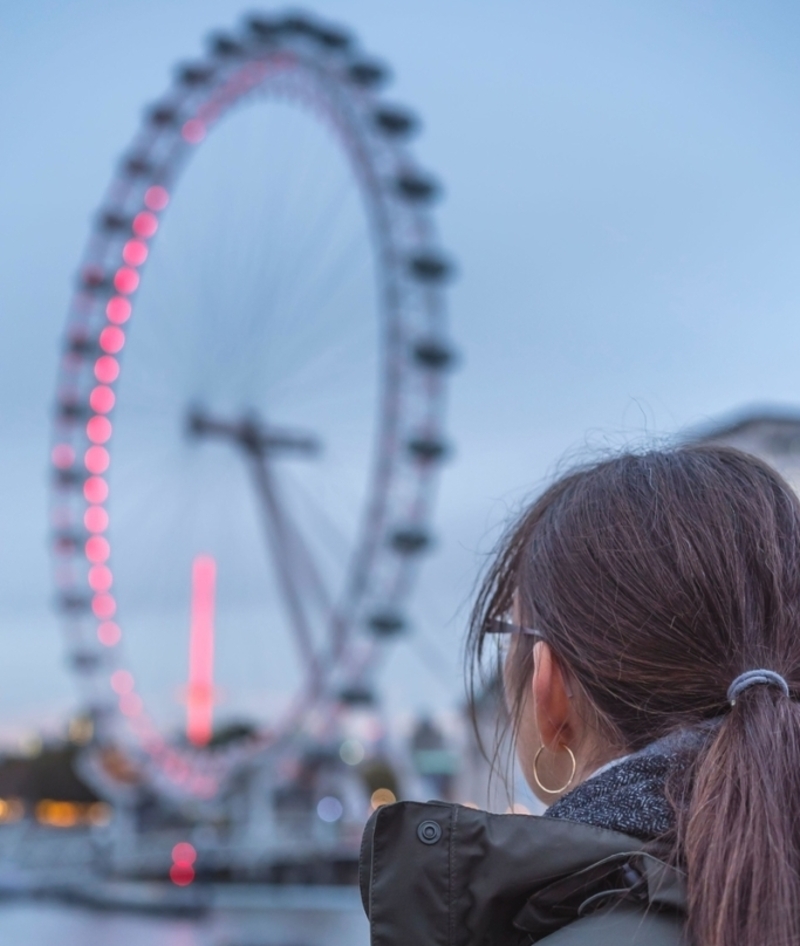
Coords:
632,796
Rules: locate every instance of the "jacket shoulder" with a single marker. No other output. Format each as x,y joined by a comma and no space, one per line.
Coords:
444,875
622,925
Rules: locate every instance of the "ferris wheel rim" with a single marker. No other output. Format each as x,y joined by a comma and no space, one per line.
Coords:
315,48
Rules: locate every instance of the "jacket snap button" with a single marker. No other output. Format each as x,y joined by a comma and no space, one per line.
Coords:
429,832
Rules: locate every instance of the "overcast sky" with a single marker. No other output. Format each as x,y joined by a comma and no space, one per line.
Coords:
622,198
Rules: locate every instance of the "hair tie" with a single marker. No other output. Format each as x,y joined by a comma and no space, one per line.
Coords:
752,678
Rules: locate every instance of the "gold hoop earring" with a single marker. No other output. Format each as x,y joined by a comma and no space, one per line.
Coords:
566,785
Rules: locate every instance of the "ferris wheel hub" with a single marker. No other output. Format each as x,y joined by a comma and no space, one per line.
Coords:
251,434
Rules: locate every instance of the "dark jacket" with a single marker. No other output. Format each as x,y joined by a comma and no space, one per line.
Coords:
444,875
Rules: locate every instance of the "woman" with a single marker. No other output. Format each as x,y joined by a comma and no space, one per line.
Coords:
653,605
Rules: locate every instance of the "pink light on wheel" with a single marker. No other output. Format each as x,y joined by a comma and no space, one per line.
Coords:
109,634
97,549
134,252
103,606
95,490
145,225
96,459
98,429
101,399
193,131
130,704
63,456
106,369
112,339
122,682
156,197
100,578
200,695
95,519
118,310
126,280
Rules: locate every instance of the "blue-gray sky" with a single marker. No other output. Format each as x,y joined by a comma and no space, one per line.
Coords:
622,198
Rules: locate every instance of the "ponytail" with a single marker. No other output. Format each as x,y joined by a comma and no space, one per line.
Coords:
741,831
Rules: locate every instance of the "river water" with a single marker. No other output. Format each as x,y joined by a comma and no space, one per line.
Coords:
290,917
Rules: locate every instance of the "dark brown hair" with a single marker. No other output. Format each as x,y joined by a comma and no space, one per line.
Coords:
657,579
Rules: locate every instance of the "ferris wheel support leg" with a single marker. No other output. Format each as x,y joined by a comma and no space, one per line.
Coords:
279,540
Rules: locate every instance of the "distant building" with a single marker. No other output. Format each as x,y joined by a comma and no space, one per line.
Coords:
489,776
435,762
48,787
772,434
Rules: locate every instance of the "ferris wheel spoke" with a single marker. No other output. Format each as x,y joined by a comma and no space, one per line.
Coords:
300,557
303,559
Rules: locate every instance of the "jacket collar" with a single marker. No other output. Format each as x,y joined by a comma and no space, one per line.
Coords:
452,876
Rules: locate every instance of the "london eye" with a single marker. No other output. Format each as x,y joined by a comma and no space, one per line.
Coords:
249,407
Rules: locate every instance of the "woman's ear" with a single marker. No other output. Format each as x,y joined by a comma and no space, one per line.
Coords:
551,698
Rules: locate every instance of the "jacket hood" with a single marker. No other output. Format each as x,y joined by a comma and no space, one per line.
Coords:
445,875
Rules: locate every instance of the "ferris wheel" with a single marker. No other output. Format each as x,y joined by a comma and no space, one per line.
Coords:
249,408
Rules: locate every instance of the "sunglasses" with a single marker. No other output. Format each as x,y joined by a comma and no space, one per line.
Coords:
507,627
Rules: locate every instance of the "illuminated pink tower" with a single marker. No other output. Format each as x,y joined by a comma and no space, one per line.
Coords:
200,692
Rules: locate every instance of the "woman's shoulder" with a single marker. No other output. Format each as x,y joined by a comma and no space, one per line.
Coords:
621,926
444,874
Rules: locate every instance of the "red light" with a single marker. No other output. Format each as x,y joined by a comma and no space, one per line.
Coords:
126,280
95,519
96,459
118,310
101,399
109,634
112,339
106,369
98,429
145,225
200,696
134,252
184,853
130,704
97,549
122,682
156,197
63,456
95,489
100,578
193,131
181,874
103,606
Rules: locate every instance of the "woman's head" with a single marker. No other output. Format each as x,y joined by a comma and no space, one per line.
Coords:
654,580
